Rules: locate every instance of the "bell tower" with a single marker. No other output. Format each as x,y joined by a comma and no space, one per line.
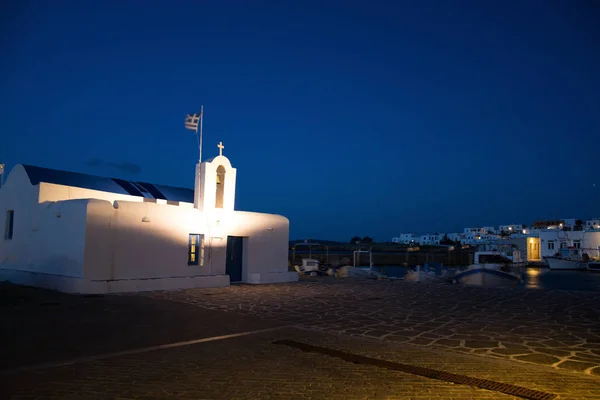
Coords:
215,184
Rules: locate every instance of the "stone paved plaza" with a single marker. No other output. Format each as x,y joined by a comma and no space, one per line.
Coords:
60,346
559,329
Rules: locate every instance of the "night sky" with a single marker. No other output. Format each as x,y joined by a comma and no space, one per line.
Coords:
350,118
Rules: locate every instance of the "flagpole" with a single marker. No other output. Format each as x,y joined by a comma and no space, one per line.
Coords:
200,135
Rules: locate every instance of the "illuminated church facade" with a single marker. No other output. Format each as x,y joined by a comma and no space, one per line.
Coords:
80,233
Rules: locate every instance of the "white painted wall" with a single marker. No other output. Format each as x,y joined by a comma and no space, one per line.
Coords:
120,246
557,238
516,228
528,246
592,223
268,241
54,192
429,239
48,238
404,238
208,184
132,249
489,237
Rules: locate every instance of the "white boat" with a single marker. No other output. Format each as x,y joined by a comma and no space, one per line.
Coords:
312,267
487,275
425,274
564,263
482,273
568,258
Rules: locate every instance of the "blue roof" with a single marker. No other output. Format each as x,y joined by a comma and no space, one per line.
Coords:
111,185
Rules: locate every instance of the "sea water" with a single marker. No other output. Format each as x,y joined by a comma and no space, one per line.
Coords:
535,278
545,278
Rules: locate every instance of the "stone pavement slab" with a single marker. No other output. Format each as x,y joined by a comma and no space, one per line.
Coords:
252,367
558,329
40,326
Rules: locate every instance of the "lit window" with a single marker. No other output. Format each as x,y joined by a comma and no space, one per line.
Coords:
9,224
196,249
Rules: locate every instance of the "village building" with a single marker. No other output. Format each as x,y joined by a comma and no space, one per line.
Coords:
80,233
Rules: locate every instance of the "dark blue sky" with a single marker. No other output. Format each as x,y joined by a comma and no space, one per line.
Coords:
350,118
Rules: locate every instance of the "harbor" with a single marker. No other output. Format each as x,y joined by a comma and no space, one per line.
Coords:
489,265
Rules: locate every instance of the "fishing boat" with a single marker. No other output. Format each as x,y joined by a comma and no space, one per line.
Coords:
493,274
568,258
427,273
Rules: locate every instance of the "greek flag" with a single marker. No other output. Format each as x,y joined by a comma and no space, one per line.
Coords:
192,121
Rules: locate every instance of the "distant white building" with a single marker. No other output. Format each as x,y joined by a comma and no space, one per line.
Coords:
488,237
512,228
404,238
531,231
592,224
482,230
552,240
470,239
528,246
430,239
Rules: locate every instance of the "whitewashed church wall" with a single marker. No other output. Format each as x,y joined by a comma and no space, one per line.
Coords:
268,240
208,184
120,246
57,241
20,196
41,241
54,192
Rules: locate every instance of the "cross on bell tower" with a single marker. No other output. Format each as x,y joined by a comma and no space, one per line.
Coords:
221,147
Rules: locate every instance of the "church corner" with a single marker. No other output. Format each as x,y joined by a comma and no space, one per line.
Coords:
79,233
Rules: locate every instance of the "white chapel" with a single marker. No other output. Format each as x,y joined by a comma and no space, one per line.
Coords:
80,233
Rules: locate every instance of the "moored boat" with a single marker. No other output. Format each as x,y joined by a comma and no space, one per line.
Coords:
493,274
487,275
426,274
567,258
565,263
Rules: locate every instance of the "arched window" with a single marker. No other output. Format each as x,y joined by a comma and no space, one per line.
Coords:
220,186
